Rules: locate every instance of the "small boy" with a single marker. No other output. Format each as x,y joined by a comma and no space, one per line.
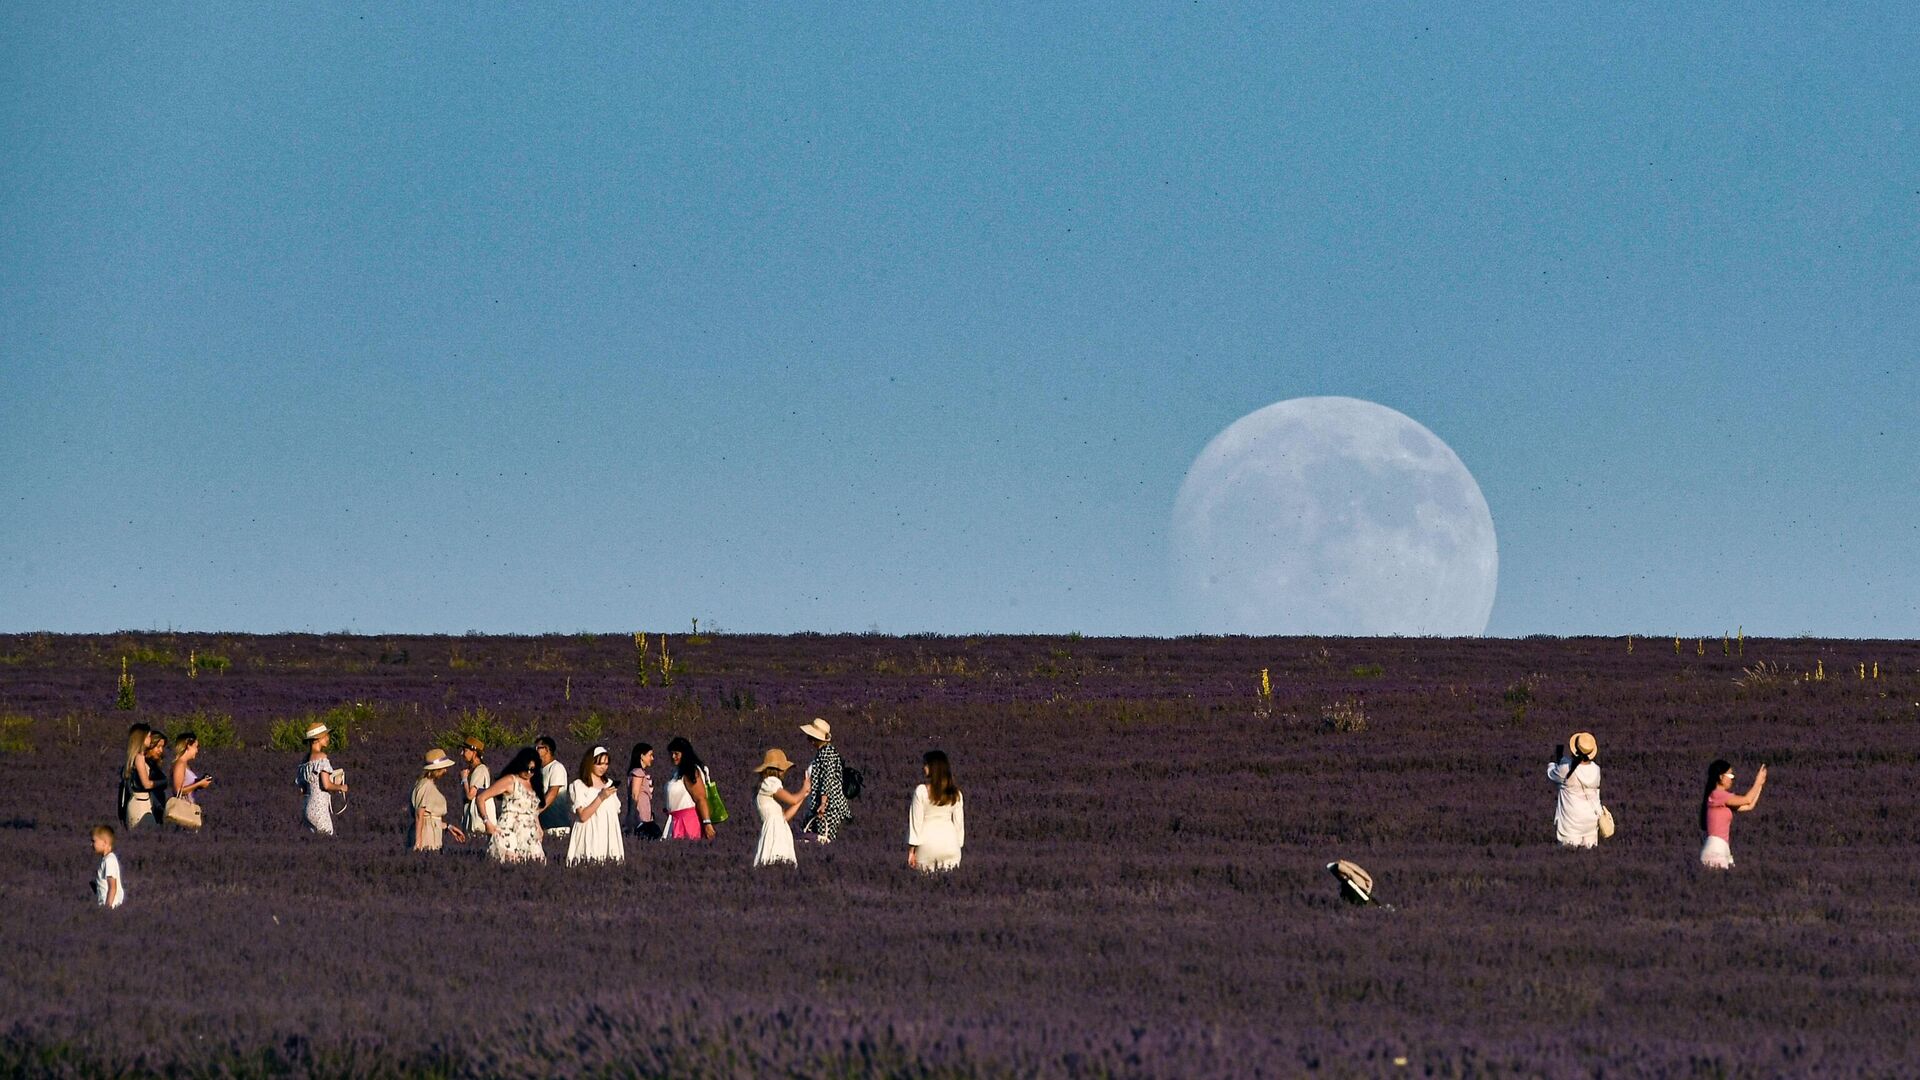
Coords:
108,890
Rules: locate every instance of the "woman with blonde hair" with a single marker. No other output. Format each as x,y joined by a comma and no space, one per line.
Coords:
186,782
430,806
137,780
776,834
936,821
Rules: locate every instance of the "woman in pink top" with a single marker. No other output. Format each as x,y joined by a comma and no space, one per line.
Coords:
1716,812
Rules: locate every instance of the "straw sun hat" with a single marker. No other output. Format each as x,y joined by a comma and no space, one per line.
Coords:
1582,744
1356,885
773,759
315,732
819,729
437,760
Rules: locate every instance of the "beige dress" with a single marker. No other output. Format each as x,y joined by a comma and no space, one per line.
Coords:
426,796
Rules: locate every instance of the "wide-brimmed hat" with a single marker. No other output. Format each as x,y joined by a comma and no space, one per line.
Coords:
315,732
775,758
1582,744
438,759
1355,884
474,744
819,729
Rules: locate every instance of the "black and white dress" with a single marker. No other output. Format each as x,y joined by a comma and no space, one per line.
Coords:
830,809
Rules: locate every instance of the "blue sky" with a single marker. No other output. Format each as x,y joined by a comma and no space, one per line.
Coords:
841,317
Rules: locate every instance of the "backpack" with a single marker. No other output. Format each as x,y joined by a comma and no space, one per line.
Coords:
851,782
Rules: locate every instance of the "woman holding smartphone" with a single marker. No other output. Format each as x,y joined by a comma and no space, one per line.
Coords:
595,802
185,781
1717,807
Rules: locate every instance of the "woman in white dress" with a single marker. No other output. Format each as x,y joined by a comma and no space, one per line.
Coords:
513,812
319,780
936,821
595,803
776,832
1576,815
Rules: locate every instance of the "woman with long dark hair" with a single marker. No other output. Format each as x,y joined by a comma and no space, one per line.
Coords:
640,791
687,807
936,821
515,825
1717,806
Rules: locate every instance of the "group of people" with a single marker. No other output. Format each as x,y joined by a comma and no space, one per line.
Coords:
1581,820
532,799
152,791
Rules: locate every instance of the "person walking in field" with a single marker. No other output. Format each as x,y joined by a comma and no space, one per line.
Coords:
777,806
1576,815
137,781
936,819
513,812
640,791
556,809
688,811
1718,804
429,806
826,779
186,784
319,780
474,779
595,799
109,891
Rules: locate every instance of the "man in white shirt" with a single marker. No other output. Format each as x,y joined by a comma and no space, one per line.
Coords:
556,810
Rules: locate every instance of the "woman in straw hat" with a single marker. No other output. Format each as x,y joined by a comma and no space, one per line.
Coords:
1717,806
595,802
319,780
512,812
474,779
936,819
826,780
430,807
776,835
1576,816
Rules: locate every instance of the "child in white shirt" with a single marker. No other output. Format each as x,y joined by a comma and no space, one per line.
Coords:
108,890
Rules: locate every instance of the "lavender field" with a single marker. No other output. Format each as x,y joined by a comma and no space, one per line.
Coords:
1143,891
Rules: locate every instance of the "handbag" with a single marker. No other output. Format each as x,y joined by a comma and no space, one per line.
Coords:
183,813
1606,823
716,807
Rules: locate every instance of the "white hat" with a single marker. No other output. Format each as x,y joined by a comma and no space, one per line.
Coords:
819,729
315,732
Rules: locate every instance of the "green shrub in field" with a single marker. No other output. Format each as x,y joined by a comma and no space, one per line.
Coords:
1368,671
488,728
211,662
590,728
341,720
214,730
16,734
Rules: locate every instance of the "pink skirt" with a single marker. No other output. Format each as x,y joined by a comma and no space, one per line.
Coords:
686,825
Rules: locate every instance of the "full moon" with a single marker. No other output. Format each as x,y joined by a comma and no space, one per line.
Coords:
1331,515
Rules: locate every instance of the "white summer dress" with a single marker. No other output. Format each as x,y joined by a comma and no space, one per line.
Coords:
776,836
939,832
1576,813
596,839
319,809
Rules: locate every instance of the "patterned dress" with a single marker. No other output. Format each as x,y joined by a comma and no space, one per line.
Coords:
318,813
830,809
519,821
